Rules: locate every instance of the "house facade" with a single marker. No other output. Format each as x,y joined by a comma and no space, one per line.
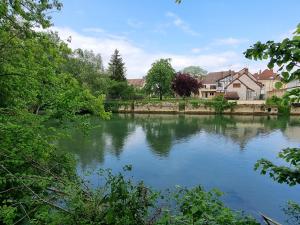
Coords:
215,83
240,85
268,79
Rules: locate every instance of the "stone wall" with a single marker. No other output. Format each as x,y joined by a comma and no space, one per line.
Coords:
172,107
295,110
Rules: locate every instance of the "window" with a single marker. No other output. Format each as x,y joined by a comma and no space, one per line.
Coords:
236,85
211,93
213,86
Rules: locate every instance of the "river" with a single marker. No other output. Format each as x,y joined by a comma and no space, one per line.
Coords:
188,150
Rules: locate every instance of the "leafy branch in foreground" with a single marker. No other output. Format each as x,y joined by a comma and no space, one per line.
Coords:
285,54
283,174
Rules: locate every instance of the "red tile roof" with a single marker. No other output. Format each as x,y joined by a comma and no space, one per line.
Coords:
267,75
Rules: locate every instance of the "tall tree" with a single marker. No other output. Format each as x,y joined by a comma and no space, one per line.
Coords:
159,78
184,85
116,67
196,71
87,68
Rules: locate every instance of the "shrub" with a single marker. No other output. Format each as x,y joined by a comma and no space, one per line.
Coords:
219,104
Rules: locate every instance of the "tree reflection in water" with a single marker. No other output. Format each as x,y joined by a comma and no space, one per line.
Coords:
163,131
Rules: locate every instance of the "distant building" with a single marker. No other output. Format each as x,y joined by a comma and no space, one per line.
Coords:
137,83
214,83
233,85
269,79
245,85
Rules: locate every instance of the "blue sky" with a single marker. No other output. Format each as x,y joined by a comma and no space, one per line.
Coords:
210,33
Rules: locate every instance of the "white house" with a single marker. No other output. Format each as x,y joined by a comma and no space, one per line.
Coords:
245,86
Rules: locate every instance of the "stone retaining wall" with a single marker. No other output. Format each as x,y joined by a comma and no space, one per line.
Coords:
169,107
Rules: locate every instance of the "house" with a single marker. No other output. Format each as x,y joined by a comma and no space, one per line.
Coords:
268,79
245,85
214,83
137,83
233,85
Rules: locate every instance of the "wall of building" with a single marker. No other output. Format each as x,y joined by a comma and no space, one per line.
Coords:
242,90
252,85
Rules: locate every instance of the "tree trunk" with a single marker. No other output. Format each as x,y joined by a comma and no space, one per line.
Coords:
160,96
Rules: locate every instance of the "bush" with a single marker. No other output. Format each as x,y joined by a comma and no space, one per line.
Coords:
120,90
282,104
219,104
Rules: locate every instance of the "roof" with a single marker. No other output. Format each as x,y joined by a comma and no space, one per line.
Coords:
267,75
241,83
213,77
136,82
245,71
231,95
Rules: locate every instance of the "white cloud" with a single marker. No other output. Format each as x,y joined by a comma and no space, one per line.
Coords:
181,24
134,23
138,60
230,41
94,30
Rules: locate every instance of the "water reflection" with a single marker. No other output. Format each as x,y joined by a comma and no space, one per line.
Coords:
161,132
214,151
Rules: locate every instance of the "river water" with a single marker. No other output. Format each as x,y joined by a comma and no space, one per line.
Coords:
213,151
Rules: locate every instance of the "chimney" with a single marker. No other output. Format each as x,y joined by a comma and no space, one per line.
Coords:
246,70
259,71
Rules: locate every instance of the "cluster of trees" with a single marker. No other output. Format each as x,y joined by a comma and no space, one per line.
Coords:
163,80
43,82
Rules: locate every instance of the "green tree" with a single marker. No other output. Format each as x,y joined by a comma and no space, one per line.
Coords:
87,68
116,67
285,55
196,71
159,78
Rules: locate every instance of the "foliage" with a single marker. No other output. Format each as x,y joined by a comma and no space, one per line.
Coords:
283,174
181,106
121,90
116,67
87,68
285,54
159,78
196,206
292,96
219,104
184,85
292,210
196,71
114,105
22,15
282,104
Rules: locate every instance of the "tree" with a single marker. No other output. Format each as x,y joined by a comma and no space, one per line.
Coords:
285,55
159,78
87,68
116,67
184,85
196,71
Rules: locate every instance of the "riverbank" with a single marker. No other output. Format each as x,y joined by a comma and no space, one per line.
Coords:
195,106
